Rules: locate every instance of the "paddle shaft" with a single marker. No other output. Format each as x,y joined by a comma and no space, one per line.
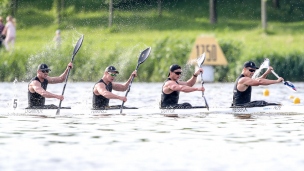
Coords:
66,79
274,73
76,48
207,106
202,81
129,87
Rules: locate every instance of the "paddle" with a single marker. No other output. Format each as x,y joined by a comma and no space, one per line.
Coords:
142,57
265,64
77,47
200,62
288,84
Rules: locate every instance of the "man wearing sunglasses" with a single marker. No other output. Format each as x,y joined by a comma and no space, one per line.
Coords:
242,86
172,87
102,90
38,85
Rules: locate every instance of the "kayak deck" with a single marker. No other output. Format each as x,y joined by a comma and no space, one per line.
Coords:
277,109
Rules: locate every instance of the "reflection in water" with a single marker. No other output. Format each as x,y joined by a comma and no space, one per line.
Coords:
150,142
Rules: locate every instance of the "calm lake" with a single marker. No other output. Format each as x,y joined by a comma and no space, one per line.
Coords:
151,142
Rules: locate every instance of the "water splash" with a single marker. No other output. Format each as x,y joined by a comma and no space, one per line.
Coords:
53,56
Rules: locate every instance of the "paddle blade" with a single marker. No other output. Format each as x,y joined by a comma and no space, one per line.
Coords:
201,60
206,103
265,64
77,46
144,55
290,85
58,111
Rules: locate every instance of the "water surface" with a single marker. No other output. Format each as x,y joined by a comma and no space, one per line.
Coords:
151,142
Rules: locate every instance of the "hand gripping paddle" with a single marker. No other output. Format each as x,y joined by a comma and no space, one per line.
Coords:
77,47
200,62
142,57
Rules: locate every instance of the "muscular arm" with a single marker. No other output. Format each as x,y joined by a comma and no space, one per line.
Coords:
60,79
124,87
35,86
100,89
171,86
121,87
192,80
183,88
268,71
246,81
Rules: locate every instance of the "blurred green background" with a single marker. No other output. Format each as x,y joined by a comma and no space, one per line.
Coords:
137,24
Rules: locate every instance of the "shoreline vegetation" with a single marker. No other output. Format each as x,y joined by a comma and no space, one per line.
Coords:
170,36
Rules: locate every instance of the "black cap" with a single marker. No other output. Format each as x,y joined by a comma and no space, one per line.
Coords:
43,67
250,64
111,69
174,67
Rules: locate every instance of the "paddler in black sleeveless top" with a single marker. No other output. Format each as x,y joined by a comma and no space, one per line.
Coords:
38,85
172,87
242,86
102,90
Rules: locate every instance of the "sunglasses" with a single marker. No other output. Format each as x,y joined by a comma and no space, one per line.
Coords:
45,71
113,75
178,73
251,70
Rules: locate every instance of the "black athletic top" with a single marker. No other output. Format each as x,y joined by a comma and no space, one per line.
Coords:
241,97
35,99
100,101
169,99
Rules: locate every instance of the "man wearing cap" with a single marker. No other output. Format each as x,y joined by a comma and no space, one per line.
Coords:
102,90
242,86
172,87
38,85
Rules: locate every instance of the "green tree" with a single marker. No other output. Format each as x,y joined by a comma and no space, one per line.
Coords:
264,14
159,7
110,13
57,11
276,4
4,7
212,11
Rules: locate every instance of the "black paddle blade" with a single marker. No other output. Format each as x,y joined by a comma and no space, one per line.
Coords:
144,55
77,46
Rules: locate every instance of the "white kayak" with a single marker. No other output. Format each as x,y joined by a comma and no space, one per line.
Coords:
274,110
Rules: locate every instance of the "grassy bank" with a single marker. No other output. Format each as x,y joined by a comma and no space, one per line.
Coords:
136,28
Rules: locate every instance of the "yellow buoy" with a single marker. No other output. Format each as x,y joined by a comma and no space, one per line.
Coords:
291,97
266,92
296,100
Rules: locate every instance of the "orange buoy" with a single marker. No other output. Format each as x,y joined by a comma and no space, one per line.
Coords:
266,92
296,100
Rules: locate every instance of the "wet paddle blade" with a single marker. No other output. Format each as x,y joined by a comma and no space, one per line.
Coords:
201,60
206,103
289,85
265,64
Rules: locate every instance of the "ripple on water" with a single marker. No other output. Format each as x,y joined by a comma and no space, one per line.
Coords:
152,142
